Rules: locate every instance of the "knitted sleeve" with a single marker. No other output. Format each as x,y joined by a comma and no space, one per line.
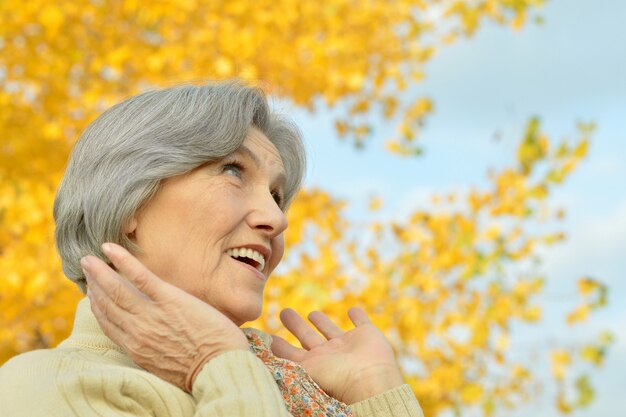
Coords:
237,383
397,402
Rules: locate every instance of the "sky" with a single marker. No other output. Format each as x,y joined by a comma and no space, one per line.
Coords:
572,68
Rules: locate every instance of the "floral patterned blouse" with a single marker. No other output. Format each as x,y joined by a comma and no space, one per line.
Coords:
302,396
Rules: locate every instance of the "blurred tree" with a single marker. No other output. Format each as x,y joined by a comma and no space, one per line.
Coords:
439,286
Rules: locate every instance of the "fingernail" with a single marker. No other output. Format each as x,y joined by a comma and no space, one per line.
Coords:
107,248
84,262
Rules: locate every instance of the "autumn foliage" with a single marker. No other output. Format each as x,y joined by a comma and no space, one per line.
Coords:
446,285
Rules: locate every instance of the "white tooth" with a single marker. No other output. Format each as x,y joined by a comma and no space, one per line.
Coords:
248,253
258,257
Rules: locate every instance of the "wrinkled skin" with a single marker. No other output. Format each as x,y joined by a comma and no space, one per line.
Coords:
161,327
172,334
350,366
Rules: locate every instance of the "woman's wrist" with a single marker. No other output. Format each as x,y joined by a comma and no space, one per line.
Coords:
372,383
238,343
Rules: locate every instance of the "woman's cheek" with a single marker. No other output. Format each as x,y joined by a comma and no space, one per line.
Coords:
278,249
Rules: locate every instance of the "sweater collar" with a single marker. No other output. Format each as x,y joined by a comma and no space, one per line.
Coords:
87,333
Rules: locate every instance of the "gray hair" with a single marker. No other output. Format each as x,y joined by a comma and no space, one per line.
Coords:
120,159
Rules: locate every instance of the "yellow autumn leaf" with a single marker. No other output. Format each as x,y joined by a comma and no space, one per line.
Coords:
532,313
581,149
560,362
472,393
592,354
51,18
519,20
586,286
375,203
579,314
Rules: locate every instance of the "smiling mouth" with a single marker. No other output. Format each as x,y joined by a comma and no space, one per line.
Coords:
248,256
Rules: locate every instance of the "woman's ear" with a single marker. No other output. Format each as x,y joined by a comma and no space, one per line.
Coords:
130,227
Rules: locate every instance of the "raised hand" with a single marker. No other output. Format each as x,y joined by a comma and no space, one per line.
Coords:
165,330
350,366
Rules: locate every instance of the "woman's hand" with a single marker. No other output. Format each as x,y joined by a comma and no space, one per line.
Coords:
165,330
350,366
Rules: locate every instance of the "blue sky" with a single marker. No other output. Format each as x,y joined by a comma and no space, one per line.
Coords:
573,68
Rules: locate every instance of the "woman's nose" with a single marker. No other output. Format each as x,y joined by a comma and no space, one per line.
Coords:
267,215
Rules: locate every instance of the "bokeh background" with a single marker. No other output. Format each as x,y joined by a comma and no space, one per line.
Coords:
466,178
573,67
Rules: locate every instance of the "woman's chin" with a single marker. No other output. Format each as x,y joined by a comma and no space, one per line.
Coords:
245,312
240,320
246,306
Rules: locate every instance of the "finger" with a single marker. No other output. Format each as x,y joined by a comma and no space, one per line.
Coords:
302,330
108,308
116,334
283,349
358,316
325,325
118,290
133,270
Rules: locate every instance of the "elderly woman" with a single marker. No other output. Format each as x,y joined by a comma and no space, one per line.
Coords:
170,217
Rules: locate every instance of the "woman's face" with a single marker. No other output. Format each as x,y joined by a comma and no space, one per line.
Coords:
216,232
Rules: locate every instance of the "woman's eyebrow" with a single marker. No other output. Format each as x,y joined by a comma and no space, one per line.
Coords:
280,178
246,151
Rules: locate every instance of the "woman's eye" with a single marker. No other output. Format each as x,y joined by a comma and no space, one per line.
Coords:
278,198
234,169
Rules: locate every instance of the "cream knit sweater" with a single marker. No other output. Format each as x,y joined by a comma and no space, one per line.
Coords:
89,375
